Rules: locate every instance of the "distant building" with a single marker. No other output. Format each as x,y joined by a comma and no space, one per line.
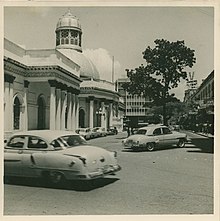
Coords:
136,107
204,95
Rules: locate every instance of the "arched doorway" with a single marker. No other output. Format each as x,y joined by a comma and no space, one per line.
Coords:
81,118
41,113
17,113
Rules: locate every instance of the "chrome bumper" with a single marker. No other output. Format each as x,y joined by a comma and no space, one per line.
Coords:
104,171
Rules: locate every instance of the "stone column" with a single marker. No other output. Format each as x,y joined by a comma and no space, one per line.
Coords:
103,124
9,111
25,116
63,110
73,117
69,109
52,104
58,110
91,111
77,111
7,108
110,114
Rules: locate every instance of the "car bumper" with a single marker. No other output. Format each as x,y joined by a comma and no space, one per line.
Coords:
101,172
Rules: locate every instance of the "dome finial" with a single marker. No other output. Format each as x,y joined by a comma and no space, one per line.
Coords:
68,13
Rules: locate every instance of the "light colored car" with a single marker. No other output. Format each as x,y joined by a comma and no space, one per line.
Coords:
102,131
153,136
95,133
85,132
56,155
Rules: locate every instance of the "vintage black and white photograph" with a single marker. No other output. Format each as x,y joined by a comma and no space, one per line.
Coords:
108,110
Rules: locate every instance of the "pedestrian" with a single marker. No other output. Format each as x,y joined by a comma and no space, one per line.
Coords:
128,131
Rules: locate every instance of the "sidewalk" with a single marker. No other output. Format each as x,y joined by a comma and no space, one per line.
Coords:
205,134
208,135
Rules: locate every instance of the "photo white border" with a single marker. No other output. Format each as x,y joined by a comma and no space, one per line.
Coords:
56,3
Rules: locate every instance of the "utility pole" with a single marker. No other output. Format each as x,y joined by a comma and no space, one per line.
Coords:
113,69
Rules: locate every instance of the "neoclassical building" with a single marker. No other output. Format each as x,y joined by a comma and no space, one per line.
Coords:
57,88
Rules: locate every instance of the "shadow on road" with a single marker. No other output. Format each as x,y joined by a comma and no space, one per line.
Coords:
205,145
67,185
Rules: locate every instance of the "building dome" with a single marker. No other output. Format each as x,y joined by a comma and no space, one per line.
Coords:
87,68
68,20
68,32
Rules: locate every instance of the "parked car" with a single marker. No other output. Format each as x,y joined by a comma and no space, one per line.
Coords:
85,132
102,131
56,156
153,136
95,133
112,131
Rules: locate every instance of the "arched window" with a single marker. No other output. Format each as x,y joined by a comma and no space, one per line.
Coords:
17,111
66,41
41,113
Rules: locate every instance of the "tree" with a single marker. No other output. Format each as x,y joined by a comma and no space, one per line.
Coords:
165,67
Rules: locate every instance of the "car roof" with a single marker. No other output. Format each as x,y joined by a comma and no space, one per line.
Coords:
152,126
49,135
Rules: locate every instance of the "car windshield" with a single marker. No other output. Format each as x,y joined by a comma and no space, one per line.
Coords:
141,131
68,141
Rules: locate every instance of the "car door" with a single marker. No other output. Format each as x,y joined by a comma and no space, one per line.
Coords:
33,157
168,137
13,153
157,133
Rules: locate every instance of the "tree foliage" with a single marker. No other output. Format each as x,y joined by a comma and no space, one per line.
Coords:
164,69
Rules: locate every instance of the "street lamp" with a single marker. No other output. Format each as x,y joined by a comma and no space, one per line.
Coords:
98,113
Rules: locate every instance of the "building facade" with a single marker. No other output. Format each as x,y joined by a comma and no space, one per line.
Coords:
136,107
57,88
201,104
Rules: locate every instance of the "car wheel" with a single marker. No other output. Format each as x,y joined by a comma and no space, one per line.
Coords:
55,177
181,143
150,146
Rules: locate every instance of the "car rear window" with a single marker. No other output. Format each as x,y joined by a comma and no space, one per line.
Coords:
68,141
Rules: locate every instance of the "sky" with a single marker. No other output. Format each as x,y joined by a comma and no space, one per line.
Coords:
119,32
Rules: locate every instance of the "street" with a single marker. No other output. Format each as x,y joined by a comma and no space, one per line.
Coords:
166,181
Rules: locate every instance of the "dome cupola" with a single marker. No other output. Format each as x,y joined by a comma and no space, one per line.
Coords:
68,32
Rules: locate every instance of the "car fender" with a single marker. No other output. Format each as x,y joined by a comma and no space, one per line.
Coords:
54,161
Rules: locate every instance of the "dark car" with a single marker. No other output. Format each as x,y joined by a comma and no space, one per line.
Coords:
112,131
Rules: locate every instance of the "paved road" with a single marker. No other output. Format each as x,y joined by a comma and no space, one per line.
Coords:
167,181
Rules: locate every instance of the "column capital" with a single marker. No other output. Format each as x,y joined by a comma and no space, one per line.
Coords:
76,91
91,98
52,83
103,99
9,78
26,83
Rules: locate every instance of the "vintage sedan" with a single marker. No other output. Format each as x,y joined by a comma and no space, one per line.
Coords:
151,137
56,156
85,132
